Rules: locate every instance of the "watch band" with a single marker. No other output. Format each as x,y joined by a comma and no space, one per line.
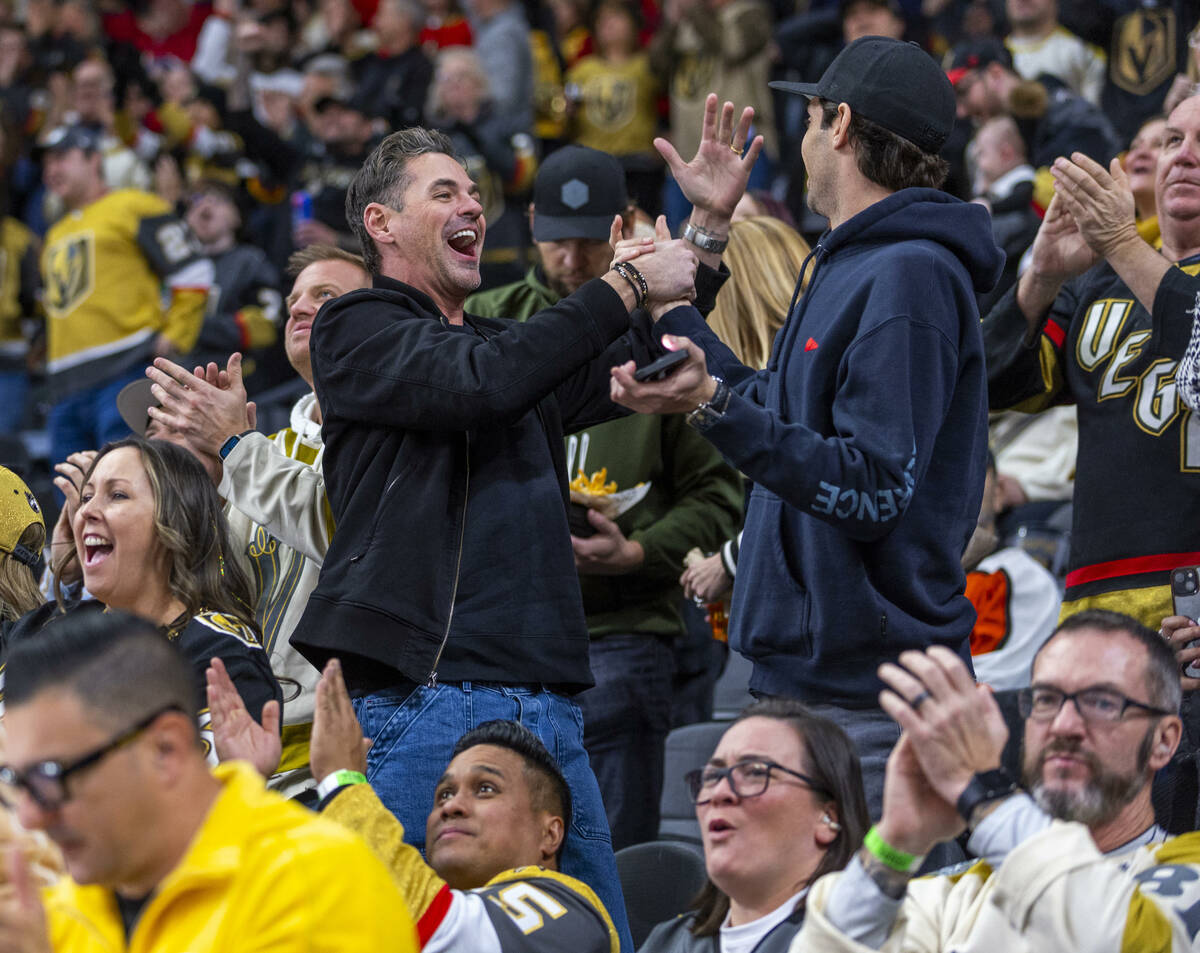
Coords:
712,409
984,787
339,779
702,239
228,445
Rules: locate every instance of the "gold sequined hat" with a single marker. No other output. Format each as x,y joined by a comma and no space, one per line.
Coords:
19,509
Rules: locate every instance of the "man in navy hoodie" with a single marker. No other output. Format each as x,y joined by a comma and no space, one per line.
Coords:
866,436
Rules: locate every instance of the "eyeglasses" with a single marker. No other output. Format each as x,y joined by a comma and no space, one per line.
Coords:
46,781
1043,702
746,779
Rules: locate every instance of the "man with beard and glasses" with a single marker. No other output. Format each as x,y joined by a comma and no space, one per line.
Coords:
1073,862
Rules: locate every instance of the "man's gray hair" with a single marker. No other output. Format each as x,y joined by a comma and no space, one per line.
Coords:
384,178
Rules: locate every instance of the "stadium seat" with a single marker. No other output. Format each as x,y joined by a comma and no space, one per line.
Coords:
659,880
732,692
686,748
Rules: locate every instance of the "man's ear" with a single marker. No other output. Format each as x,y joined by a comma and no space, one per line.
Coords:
172,740
376,219
553,832
1166,740
841,127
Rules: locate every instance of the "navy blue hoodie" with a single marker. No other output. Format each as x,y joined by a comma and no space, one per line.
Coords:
866,440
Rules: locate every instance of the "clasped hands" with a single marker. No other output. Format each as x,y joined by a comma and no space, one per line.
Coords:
952,730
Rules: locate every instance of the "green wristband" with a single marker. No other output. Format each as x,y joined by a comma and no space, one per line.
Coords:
889,856
339,779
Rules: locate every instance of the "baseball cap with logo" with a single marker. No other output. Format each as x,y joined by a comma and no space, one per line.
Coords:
576,194
19,510
894,84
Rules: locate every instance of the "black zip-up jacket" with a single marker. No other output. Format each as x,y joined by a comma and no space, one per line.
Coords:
445,472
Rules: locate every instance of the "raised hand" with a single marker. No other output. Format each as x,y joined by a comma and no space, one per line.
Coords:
1099,201
236,735
915,816
715,179
203,414
1060,251
71,473
955,726
337,739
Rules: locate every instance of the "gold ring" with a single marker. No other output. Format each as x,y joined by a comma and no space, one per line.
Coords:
735,150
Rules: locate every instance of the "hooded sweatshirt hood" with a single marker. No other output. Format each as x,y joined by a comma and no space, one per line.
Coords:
964,228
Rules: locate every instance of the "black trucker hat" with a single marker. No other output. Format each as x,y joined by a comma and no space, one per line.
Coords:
894,84
576,194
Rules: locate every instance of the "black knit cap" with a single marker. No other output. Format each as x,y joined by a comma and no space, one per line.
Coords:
894,84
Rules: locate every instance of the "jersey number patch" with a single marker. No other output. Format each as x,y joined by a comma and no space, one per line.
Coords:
526,904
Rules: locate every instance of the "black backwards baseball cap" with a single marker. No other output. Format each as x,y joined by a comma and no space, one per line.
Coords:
894,84
79,136
576,194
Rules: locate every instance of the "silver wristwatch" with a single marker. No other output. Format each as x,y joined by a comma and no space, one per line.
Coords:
712,409
702,239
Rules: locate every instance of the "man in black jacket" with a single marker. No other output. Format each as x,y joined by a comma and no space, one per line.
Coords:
449,590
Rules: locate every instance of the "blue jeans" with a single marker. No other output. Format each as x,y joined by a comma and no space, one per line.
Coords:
89,419
414,733
626,717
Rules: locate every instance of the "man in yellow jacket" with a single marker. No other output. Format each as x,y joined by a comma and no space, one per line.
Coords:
164,856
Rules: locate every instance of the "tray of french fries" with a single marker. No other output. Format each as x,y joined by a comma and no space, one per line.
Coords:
599,493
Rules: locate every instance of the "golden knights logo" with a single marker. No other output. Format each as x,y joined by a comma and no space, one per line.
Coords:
610,102
1143,50
692,78
70,273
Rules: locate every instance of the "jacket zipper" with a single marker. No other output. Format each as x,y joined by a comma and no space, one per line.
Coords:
462,532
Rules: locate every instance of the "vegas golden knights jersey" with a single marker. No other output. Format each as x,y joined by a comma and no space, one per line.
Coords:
19,283
1137,475
116,274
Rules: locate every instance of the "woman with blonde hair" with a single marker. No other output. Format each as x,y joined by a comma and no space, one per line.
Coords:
764,256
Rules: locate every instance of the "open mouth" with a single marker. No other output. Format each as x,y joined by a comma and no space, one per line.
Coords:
718,826
465,242
95,549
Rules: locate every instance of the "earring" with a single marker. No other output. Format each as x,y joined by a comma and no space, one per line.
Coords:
830,823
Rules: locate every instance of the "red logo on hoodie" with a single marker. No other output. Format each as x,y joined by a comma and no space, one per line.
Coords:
811,345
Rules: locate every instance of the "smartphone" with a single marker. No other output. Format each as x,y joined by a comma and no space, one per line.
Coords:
1185,596
657,370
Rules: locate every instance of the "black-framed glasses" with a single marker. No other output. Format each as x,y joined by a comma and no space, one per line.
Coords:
46,781
746,779
1043,702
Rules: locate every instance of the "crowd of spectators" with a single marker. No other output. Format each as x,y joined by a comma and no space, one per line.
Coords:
319,324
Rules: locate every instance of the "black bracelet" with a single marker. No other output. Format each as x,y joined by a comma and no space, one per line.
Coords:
641,279
638,299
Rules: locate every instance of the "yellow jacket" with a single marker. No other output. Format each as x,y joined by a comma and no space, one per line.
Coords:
263,875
